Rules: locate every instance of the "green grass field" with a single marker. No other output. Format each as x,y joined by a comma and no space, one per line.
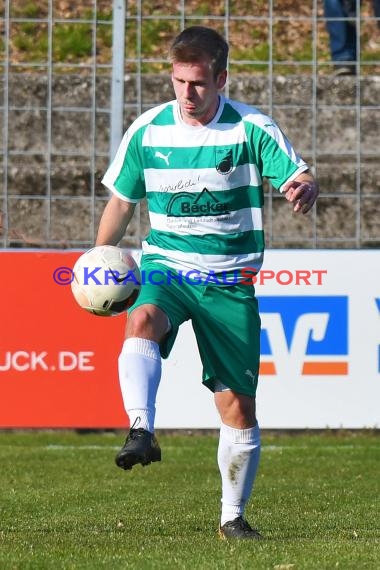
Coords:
64,504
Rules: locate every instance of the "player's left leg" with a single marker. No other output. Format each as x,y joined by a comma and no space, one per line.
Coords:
227,328
238,460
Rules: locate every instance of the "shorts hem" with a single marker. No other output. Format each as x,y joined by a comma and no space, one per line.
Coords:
209,383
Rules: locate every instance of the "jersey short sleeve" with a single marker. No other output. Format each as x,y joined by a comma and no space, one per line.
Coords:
276,158
125,177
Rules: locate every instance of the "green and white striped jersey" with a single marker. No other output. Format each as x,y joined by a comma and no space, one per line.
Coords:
203,184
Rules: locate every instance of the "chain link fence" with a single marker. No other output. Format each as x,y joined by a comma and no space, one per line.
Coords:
74,75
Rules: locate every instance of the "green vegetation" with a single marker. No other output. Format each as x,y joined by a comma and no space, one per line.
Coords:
72,42
64,504
29,42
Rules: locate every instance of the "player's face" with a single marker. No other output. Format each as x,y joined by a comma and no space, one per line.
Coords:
196,90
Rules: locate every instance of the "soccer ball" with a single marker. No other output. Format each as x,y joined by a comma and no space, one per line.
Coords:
106,280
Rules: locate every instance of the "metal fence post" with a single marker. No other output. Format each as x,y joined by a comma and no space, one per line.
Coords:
117,85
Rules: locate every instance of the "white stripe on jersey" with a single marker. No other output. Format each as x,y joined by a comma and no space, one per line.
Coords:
244,220
225,135
203,263
183,180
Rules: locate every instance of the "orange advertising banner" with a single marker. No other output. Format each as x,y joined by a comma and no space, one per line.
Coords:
58,363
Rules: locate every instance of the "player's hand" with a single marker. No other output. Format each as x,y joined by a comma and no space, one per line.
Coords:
302,193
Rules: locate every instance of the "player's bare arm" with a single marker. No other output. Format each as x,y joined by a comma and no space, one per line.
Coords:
302,192
114,221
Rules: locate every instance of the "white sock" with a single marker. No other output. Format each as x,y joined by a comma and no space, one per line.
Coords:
140,375
238,460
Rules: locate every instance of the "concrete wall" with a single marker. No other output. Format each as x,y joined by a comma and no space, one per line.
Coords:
56,196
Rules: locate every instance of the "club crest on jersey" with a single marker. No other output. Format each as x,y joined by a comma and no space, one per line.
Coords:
223,160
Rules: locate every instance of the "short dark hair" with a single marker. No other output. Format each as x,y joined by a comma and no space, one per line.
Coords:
196,42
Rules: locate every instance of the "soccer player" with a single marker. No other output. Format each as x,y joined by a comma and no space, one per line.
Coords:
200,161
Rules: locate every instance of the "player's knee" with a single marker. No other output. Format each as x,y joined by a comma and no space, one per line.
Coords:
236,410
244,410
144,322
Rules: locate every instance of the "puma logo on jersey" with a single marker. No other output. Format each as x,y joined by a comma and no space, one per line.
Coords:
165,157
249,373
